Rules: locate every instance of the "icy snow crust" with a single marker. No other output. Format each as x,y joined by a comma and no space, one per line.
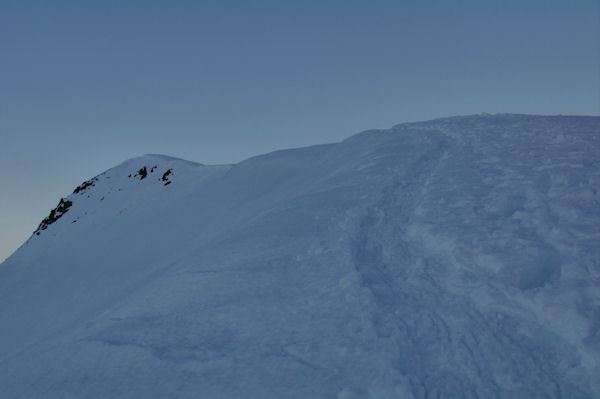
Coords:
456,258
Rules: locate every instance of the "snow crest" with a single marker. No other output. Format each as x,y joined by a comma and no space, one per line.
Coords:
452,258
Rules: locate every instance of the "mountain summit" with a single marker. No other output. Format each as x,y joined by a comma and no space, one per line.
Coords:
453,258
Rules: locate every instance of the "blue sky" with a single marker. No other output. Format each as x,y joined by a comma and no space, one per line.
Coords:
85,85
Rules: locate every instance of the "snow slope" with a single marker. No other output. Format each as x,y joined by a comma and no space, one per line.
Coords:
452,258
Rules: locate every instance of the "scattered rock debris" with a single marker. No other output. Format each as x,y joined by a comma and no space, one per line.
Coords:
64,205
143,173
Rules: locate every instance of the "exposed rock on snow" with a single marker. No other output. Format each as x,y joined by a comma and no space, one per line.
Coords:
55,214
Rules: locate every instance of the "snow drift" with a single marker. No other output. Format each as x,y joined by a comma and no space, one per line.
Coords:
453,258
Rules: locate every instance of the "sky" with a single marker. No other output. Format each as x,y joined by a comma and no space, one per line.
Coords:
85,85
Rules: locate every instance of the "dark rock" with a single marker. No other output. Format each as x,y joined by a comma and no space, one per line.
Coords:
55,214
143,172
83,186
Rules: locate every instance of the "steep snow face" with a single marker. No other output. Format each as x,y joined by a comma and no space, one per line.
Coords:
452,258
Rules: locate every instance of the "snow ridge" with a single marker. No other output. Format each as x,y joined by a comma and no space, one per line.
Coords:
451,258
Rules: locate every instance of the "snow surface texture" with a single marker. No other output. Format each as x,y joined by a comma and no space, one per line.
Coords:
456,258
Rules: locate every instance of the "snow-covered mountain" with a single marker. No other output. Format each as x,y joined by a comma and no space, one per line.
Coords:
456,258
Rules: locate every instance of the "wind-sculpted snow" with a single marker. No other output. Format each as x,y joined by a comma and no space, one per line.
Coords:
456,258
